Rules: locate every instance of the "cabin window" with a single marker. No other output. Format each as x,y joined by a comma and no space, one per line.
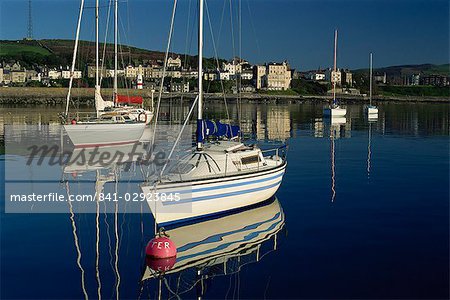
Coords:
250,160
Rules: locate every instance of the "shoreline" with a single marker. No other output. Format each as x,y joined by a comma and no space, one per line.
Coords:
85,96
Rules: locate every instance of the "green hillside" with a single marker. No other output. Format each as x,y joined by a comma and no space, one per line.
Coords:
11,49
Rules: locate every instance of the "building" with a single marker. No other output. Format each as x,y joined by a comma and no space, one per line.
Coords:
333,76
247,74
210,75
224,75
316,75
54,74
436,80
179,87
380,78
259,76
33,75
278,76
174,62
346,78
232,68
6,76
18,76
91,72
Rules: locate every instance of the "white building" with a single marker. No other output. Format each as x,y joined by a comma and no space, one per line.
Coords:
174,62
333,76
259,76
54,74
224,75
278,76
317,76
232,67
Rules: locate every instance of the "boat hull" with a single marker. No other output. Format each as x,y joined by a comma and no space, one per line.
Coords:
208,197
97,135
334,112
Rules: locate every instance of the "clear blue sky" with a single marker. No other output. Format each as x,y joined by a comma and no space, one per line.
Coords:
301,31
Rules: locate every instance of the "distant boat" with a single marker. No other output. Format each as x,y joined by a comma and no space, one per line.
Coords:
371,110
101,130
334,110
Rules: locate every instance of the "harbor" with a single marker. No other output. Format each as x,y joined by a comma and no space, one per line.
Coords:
224,150
322,235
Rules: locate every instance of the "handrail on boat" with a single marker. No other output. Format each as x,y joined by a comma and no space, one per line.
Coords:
277,151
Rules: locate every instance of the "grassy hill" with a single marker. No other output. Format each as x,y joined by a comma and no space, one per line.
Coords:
410,69
55,53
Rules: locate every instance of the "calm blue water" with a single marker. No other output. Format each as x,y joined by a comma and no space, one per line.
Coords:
384,234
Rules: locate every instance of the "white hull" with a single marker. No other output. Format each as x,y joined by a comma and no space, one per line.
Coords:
334,112
96,134
212,196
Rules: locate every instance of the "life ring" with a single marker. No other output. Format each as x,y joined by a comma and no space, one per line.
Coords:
145,119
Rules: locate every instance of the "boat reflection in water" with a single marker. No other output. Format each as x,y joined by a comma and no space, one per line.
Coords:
217,247
336,124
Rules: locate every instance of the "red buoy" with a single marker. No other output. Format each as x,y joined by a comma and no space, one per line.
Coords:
161,247
160,264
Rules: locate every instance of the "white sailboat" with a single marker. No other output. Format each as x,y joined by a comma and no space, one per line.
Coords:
216,177
371,110
106,130
334,110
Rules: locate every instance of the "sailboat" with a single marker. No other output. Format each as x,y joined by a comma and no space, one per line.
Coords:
215,177
371,110
219,247
334,110
117,129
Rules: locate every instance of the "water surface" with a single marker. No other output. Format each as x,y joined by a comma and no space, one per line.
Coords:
365,205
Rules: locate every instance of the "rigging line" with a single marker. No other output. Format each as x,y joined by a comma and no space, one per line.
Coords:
97,243
169,40
179,136
221,23
77,246
369,151
240,63
333,174
116,262
109,236
253,29
217,62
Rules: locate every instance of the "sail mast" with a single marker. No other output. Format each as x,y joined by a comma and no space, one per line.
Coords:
116,17
74,59
200,79
96,45
334,67
370,80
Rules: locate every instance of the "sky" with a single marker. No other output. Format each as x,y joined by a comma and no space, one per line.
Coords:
301,31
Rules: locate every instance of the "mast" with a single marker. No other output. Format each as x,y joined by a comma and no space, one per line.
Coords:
334,67
370,80
96,46
74,59
200,79
116,17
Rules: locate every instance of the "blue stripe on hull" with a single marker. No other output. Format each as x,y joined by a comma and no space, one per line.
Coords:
229,194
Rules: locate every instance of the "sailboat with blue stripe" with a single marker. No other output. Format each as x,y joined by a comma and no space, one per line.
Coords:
218,176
